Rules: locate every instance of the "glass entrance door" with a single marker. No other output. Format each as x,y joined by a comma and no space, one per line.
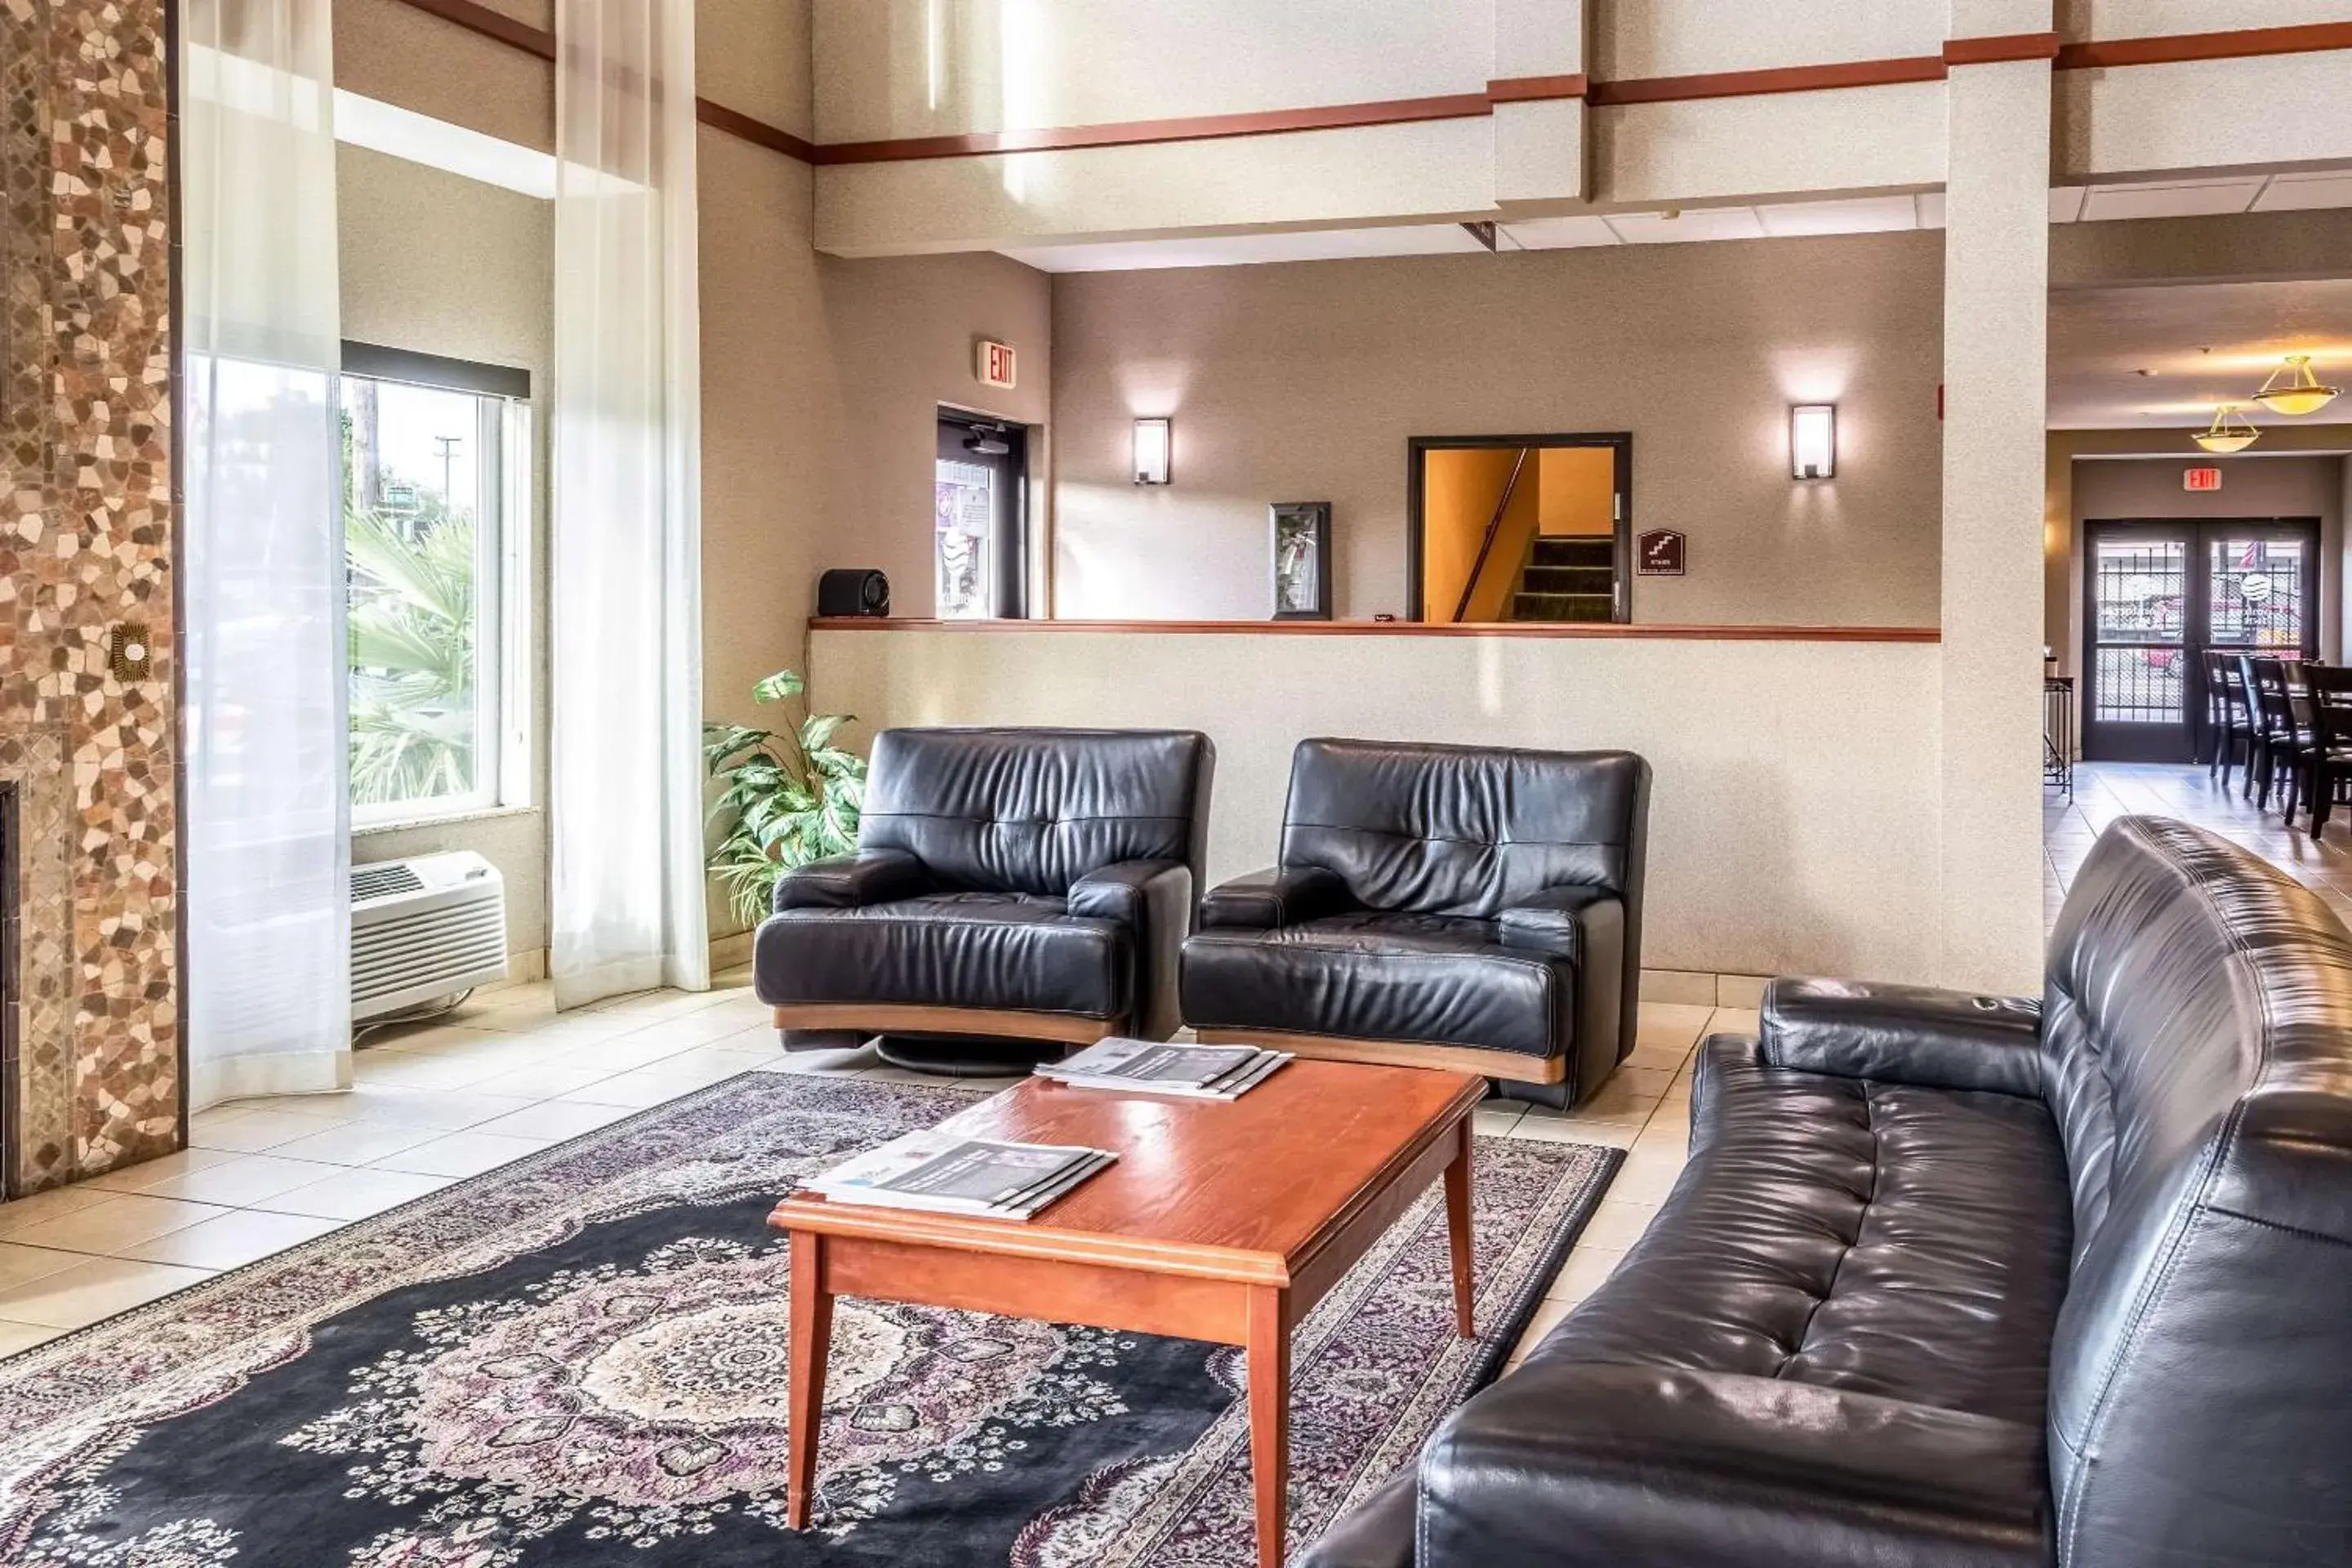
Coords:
2157,595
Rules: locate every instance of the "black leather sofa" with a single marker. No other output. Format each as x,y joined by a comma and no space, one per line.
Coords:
1030,886
1960,1282
1439,905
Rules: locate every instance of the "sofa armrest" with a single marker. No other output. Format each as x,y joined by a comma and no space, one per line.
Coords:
1552,921
852,881
1574,1463
1904,1033
1268,900
1154,899
1375,1534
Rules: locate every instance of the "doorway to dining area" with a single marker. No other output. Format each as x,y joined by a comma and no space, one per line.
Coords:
2157,595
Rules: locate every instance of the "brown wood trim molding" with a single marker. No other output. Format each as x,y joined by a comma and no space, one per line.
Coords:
502,28
2001,48
1629,632
2238,43
1761,83
489,24
1537,89
1143,132
886,1018
758,133
1514,1065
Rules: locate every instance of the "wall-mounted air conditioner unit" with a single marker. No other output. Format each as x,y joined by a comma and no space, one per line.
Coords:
424,928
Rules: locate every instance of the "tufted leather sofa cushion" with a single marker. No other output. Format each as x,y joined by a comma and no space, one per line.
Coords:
1875,1237
1032,811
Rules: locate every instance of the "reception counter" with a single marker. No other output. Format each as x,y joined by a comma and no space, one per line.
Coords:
1794,818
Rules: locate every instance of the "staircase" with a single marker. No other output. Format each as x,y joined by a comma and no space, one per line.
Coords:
1567,579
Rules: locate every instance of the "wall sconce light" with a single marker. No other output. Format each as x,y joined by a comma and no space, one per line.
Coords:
1152,439
1813,441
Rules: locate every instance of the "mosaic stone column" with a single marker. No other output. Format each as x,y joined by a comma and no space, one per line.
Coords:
88,728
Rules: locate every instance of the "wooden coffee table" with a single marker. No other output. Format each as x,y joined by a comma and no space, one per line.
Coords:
1219,1222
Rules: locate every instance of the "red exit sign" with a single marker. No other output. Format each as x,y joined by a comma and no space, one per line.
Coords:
994,364
2200,479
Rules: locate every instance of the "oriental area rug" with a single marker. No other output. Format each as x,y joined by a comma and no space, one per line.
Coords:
580,1359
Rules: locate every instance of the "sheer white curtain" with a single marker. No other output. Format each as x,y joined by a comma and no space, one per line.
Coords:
626,790
267,853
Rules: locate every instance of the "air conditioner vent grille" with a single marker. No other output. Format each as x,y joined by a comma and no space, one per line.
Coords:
423,928
382,881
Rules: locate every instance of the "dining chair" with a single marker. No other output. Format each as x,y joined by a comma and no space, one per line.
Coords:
2282,746
2331,739
2230,721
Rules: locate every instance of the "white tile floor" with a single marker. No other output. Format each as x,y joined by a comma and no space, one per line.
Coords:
507,1076
2104,791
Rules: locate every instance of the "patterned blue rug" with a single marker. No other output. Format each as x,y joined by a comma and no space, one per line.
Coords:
579,1360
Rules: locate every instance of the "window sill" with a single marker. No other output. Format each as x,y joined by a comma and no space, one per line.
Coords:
441,819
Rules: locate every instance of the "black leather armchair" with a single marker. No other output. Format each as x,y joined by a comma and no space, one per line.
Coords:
1953,1281
1016,885
1448,905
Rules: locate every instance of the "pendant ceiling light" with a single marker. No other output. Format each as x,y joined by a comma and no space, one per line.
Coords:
2230,432
2293,389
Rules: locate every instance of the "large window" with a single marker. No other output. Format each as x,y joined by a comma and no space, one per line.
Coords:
435,520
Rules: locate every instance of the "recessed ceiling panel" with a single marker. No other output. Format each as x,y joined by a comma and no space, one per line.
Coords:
1858,215
2297,192
1242,249
2199,198
1690,225
1560,233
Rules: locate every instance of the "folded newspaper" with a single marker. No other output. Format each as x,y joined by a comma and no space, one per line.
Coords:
950,1174
1155,1067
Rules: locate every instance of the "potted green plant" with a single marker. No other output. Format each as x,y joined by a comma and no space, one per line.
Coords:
788,798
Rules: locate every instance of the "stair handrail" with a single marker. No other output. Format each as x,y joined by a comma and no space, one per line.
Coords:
1494,526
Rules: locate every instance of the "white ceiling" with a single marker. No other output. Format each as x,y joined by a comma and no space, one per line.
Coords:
1859,214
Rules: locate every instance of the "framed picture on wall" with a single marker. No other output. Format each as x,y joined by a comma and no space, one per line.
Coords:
1302,560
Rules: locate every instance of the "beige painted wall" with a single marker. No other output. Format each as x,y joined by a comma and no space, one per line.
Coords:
1303,381
902,334
438,264
396,54
1766,814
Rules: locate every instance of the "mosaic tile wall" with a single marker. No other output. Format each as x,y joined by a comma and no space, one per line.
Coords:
85,549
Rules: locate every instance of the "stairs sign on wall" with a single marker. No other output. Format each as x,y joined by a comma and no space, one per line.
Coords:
1660,554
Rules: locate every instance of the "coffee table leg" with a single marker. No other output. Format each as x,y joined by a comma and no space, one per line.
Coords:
1457,1228
812,1338
1268,1353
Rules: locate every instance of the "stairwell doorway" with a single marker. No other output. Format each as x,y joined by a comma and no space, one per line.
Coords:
1519,528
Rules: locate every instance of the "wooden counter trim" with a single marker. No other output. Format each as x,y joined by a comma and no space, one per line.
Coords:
1627,633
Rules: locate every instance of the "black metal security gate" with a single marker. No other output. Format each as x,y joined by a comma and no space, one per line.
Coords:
2157,595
